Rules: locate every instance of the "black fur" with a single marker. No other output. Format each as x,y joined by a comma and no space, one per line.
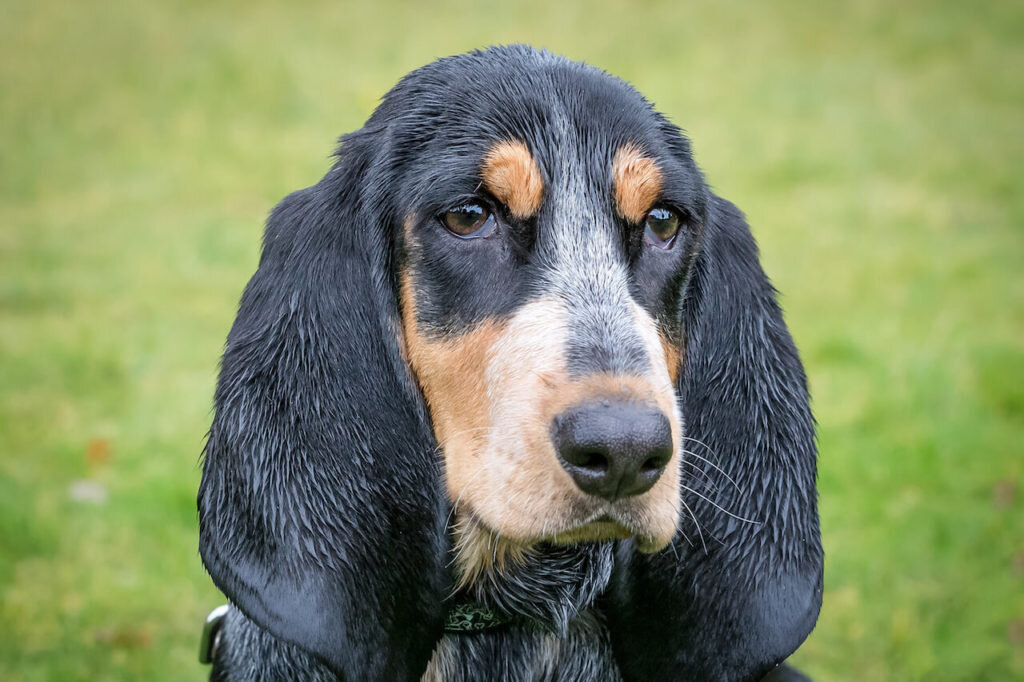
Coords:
731,598
322,507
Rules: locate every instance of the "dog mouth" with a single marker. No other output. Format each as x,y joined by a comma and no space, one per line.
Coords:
604,527
610,524
481,547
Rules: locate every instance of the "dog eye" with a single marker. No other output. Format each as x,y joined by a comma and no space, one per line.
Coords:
661,226
468,221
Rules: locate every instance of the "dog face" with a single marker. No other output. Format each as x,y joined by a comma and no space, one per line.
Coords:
508,299
550,222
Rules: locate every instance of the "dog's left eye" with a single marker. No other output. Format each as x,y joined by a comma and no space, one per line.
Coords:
661,226
468,221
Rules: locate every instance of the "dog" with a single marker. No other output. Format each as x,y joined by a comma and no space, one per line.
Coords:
509,397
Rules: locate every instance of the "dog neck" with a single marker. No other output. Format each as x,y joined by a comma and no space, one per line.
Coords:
545,585
536,612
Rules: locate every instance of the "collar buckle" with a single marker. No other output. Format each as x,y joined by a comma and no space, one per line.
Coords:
209,640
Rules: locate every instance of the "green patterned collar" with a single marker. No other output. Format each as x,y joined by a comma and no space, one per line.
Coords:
469,617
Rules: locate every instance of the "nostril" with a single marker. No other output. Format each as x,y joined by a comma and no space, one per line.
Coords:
656,461
593,461
587,460
651,464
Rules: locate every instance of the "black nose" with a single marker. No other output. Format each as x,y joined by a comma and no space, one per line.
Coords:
613,449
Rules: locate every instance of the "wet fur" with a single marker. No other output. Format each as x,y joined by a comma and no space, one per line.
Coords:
324,514
562,639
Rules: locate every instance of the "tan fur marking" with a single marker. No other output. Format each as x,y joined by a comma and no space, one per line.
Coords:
672,357
511,175
493,392
637,181
478,551
450,372
625,388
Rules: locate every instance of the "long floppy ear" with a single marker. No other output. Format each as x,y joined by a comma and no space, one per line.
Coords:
740,588
321,507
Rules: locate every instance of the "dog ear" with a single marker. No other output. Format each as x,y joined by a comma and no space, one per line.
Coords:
740,587
321,507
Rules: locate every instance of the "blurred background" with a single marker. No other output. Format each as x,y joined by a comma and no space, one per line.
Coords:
876,147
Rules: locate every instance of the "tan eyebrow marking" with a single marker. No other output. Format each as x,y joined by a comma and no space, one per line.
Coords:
510,173
637,181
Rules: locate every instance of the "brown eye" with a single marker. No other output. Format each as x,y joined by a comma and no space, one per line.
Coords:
469,220
661,226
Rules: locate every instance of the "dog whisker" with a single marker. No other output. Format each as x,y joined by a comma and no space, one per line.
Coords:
709,482
718,506
713,465
697,524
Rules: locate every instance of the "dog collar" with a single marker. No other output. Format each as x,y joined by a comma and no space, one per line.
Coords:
470,617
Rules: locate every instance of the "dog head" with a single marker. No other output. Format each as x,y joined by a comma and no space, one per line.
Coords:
549,220
484,313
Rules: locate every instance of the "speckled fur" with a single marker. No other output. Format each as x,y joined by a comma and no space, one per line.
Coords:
323,511
564,637
559,635
245,652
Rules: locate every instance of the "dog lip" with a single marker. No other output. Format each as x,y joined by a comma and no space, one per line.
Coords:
605,526
597,530
608,522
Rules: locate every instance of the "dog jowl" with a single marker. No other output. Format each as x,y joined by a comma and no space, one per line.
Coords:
474,363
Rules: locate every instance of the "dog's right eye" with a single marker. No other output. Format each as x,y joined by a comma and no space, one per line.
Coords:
469,221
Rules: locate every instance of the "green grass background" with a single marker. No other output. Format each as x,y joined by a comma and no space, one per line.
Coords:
876,147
